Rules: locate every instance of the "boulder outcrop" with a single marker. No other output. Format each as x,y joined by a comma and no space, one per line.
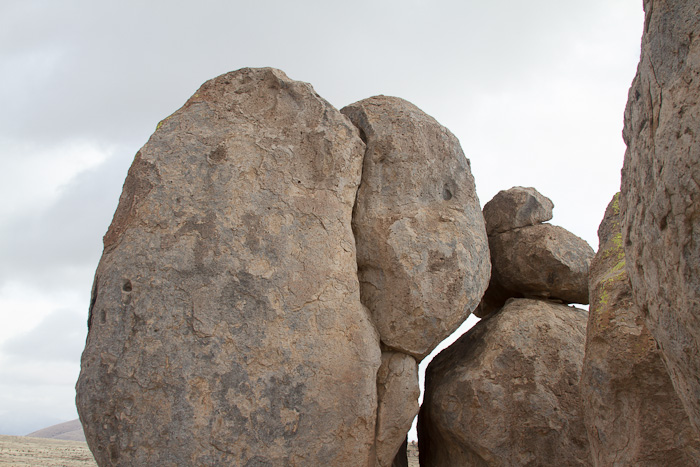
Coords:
660,198
422,250
632,413
506,392
226,326
516,207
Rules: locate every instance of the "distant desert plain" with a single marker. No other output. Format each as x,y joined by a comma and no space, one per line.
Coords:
23,451
57,446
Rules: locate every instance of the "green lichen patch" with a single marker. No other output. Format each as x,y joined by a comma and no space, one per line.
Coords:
616,203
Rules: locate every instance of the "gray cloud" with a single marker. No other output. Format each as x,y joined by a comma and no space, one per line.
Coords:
59,337
38,370
50,246
112,71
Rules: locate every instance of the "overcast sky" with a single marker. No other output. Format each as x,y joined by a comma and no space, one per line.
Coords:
535,91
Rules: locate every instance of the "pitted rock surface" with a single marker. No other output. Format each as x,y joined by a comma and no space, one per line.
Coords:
542,260
506,392
516,207
632,413
226,326
422,250
660,199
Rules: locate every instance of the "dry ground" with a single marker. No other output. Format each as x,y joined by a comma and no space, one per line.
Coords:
412,454
22,451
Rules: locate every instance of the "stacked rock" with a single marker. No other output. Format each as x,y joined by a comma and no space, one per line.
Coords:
507,392
530,258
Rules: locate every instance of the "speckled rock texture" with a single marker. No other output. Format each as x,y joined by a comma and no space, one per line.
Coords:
226,326
507,392
632,413
660,199
422,250
397,394
538,261
516,207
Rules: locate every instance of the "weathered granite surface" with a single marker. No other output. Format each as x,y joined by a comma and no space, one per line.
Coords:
422,250
632,413
507,392
660,199
226,326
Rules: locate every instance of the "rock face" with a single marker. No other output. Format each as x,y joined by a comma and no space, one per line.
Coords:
506,393
516,207
542,261
397,393
226,326
422,249
632,413
660,199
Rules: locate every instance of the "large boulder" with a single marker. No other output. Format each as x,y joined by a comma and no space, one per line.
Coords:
516,207
660,199
506,393
632,413
422,250
225,326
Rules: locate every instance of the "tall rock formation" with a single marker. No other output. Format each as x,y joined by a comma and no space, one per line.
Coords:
633,415
226,326
660,199
506,393
422,250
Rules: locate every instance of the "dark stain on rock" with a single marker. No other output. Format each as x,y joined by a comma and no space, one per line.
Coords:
218,155
93,299
259,461
141,178
446,193
438,261
282,392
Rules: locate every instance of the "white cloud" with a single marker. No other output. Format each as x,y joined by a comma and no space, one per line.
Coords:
38,371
